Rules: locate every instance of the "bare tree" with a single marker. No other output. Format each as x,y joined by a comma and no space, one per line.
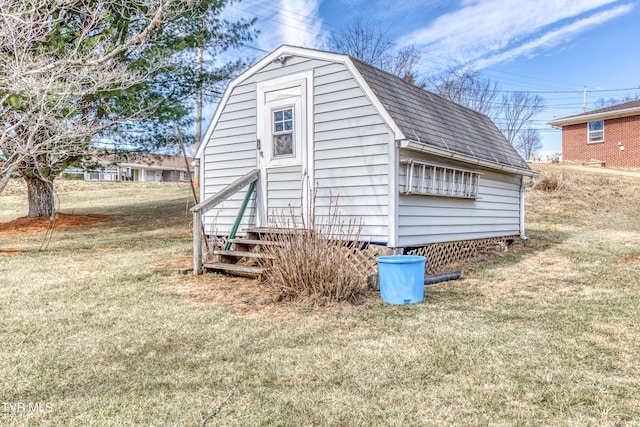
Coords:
468,88
364,41
528,143
370,43
517,109
46,107
610,102
404,63
71,69
511,112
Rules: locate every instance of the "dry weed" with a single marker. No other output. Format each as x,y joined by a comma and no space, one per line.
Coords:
314,260
549,183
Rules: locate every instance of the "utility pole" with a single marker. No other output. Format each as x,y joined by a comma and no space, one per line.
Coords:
196,168
199,98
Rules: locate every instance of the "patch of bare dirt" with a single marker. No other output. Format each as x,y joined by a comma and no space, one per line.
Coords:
247,295
241,293
62,221
9,252
634,258
102,250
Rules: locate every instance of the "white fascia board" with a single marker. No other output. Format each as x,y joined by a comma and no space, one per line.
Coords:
605,115
417,146
297,51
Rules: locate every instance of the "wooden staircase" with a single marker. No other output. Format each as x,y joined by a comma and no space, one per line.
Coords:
241,258
239,255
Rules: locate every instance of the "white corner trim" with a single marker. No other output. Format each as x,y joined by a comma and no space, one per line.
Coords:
394,202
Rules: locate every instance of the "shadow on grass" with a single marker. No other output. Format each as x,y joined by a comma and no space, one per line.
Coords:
159,208
538,241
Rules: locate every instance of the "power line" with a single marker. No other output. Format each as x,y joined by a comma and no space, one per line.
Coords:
254,48
305,21
274,18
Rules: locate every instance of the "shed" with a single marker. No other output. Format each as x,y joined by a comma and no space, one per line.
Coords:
413,167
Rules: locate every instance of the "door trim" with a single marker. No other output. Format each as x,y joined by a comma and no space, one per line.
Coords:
302,84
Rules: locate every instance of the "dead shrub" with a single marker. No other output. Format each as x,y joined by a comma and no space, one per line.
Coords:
549,183
314,260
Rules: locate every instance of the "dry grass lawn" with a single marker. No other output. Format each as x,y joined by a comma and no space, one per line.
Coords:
100,329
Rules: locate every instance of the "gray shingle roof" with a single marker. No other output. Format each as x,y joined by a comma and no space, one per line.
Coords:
429,119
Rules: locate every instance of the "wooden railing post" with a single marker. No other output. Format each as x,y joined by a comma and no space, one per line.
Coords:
202,207
197,243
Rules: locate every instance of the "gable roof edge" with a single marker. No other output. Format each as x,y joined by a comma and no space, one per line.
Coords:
382,110
298,51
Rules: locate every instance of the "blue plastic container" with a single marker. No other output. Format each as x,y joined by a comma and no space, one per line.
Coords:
401,278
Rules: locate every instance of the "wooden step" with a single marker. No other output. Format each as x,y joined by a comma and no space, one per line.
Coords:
242,254
244,270
267,230
254,242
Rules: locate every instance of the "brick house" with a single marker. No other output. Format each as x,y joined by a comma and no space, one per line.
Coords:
610,135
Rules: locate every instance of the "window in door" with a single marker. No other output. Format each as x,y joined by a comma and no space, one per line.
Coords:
282,130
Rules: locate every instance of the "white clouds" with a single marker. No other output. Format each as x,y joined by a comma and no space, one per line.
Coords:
302,25
485,32
555,37
294,22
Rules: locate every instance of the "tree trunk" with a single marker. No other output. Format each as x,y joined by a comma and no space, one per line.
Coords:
40,194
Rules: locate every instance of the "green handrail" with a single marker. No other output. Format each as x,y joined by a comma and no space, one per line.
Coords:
236,225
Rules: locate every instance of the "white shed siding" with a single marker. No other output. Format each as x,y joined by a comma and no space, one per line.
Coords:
351,152
230,154
431,219
294,66
352,156
284,188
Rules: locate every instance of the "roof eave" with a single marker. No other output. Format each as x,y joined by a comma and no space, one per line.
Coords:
584,118
421,147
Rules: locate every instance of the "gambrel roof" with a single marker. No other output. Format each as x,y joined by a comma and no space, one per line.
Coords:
429,119
419,119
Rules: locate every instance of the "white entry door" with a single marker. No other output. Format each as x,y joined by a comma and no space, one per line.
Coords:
283,152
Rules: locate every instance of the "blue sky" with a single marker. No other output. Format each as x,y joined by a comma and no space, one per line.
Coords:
553,48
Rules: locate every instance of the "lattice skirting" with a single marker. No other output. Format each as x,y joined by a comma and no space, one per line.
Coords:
443,255
365,258
440,256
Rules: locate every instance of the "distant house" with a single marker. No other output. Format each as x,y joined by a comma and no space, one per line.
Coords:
134,166
415,168
609,135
